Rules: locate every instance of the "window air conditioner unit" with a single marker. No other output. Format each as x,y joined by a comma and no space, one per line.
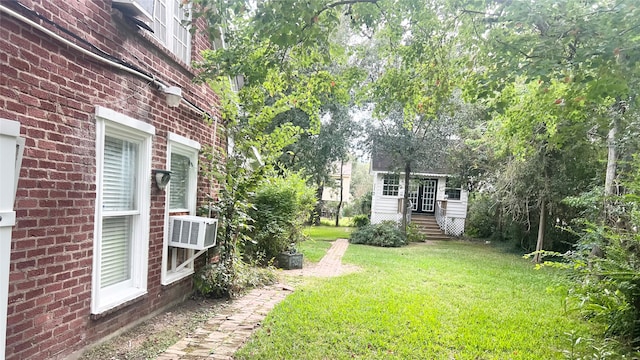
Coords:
141,8
192,232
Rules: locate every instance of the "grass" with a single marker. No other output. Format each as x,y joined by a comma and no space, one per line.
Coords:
343,221
452,300
320,238
328,233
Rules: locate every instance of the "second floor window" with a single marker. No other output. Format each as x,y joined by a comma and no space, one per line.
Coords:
169,29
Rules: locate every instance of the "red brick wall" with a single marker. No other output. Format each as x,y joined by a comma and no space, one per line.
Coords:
52,90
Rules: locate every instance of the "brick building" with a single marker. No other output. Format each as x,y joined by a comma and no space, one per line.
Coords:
90,252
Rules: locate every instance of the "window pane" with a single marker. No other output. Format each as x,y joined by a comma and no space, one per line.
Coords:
390,185
120,166
160,21
179,184
115,251
453,194
180,33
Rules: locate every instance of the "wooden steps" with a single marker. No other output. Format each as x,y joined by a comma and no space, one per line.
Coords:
429,227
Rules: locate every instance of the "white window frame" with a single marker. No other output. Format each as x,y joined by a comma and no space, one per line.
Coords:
112,123
189,148
169,42
389,186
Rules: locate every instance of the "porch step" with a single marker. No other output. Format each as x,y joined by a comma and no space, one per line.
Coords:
429,227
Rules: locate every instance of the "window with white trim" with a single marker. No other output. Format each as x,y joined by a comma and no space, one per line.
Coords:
452,194
390,184
168,28
182,161
121,229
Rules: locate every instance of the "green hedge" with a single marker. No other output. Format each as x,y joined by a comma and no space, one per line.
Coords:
385,234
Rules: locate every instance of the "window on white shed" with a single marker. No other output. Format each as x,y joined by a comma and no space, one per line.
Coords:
390,185
169,29
452,194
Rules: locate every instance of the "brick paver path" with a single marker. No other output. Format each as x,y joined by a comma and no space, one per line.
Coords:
221,336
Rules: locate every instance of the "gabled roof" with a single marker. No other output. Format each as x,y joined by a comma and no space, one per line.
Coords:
384,162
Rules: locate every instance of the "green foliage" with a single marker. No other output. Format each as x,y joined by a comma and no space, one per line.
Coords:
360,205
360,220
280,206
385,234
414,234
605,264
481,220
218,280
344,221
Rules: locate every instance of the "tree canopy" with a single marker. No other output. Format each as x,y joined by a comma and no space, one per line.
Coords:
542,94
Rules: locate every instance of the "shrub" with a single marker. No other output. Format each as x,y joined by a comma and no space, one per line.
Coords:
481,220
604,263
361,205
360,220
280,206
385,234
216,280
414,234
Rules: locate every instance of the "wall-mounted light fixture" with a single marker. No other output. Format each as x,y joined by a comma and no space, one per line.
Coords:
162,178
174,95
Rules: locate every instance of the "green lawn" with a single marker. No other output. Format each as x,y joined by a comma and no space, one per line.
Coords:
451,300
320,240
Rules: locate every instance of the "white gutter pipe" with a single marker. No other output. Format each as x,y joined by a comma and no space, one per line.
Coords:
97,57
11,146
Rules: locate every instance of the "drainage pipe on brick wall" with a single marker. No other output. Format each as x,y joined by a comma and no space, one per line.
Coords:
11,149
95,56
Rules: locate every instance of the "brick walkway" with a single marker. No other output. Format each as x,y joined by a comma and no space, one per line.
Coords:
221,336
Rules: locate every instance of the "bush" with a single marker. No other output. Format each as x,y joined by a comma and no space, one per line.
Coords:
481,220
360,220
216,280
605,265
414,234
280,206
385,234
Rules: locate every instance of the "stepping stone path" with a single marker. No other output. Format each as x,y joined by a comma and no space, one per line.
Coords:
222,335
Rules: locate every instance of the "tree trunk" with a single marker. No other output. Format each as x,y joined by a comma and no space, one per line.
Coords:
612,162
541,227
340,202
317,212
543,207
405,202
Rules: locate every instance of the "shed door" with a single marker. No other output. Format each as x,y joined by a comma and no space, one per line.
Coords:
429,195
422,194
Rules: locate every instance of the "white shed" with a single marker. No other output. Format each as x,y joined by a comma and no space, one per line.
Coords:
430,197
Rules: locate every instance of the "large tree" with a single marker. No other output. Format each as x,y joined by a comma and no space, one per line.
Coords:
591,49
317,154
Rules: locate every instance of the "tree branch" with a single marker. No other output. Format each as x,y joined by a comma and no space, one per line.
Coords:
345,2
333,5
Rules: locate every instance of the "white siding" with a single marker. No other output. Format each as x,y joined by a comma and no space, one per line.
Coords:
386,207
458,208
383,207
456,214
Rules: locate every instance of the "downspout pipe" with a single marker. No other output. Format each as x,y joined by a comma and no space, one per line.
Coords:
10,167
161,85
